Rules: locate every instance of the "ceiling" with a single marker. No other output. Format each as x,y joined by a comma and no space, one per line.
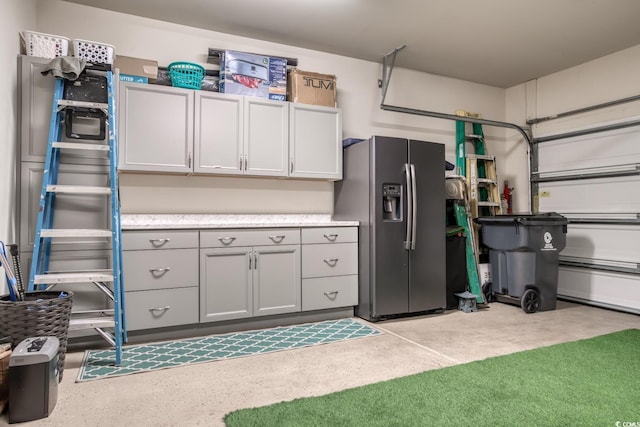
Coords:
496,42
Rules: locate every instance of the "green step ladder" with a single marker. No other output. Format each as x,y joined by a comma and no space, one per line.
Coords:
462,210
108,322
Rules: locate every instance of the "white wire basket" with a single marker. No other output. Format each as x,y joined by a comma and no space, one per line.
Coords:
44,45
93,52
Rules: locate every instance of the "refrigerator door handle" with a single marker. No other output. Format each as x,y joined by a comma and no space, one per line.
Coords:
407,173
414,215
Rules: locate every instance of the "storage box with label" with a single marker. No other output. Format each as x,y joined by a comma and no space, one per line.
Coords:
136,70
312,88
249,74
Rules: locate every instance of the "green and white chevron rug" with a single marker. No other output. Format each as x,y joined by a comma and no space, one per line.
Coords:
98,364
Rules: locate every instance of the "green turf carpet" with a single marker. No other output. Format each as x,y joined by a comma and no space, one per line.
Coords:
98,364
592,382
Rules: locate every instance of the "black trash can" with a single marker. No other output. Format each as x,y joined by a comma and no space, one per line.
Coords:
524,255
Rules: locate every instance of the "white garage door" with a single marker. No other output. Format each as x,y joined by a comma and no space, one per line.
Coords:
594,180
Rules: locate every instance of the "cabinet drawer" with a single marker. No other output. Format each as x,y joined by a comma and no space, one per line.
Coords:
146,270
237,238
161,308
159,239
329,292
330,235
329,260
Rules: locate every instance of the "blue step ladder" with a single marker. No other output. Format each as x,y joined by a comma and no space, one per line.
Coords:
109,322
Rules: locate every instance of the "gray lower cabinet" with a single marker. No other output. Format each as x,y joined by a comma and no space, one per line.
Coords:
238,281
181,277
329,267
160,278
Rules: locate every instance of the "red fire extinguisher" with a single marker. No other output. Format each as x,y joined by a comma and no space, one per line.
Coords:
507,196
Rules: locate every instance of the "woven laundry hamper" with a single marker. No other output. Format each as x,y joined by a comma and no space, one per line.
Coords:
42,313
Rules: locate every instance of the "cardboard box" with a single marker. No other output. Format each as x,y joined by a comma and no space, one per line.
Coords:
249,74
136,69
312,88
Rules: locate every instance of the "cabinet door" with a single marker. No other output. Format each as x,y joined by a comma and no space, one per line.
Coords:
225,284
276,280
266,137
156,128
218,138
36,100
315,142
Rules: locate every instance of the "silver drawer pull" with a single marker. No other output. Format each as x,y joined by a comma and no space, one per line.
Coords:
159,242
331,262
331,237
165,308
331,295
276,239
159,271
226,240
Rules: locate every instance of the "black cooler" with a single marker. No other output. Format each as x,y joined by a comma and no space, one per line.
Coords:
33,379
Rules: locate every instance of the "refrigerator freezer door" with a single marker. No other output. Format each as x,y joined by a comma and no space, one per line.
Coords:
389,259
427,263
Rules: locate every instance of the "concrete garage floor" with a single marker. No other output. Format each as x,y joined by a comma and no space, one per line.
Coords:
202,394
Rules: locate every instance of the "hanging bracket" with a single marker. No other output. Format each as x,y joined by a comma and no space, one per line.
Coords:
388,61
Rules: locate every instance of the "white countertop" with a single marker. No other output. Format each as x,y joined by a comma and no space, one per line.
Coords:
182,221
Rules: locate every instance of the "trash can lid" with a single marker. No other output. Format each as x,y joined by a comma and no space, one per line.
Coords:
548,218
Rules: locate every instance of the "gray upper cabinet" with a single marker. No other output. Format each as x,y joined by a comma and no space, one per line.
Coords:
266,127
218,133
156,128
36,99
315,142
235,135
167,129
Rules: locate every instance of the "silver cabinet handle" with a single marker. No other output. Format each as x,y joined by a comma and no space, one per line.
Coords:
291,166
240,167
277,239
159,242
226,240
165,308
331,295
331,237
245,162
189,158
159,271
253,258
331,262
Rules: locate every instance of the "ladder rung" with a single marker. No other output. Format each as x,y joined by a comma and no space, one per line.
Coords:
78,189
487,181
77,277
83,104
473,136
489,204
480,157
85,323
81,146
71,232
99,311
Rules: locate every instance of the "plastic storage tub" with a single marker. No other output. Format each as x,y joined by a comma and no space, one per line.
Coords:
524,255
93,52
44,45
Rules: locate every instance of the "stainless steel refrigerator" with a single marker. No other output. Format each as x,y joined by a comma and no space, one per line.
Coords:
395,188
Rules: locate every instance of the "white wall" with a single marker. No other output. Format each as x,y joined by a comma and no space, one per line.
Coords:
358,97
17,15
